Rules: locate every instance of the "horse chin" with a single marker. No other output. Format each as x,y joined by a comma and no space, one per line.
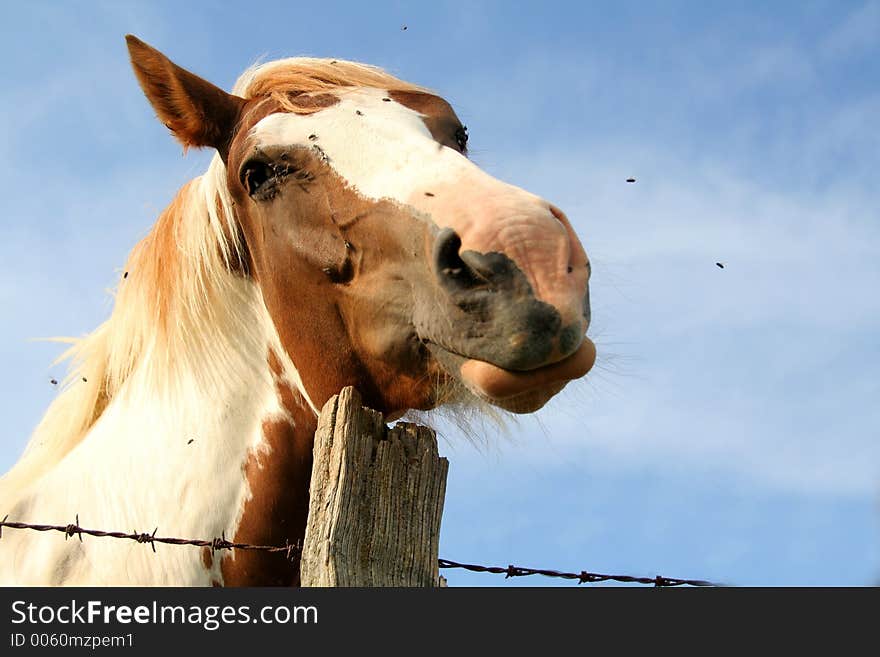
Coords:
516,391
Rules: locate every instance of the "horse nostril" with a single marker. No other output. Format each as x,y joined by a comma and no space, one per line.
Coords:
446,251
449,265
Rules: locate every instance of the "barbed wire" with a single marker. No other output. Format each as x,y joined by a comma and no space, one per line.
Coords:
214,543
582,577
292,549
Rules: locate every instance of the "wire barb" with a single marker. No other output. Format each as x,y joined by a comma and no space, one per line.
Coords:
73,530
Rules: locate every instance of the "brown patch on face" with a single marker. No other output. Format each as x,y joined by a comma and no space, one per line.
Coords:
437,115
278,475
337,272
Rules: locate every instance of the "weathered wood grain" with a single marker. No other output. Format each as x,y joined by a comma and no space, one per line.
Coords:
376,500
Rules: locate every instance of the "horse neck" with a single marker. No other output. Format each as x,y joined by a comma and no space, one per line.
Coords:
226,383
209,441
246,403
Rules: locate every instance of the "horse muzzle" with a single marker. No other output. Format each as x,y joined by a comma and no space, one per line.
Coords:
489,329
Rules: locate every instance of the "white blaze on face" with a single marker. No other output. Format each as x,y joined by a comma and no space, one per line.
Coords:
383,149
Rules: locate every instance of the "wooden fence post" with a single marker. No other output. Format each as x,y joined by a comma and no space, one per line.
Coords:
376,500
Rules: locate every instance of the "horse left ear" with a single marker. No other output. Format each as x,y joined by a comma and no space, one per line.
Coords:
196,111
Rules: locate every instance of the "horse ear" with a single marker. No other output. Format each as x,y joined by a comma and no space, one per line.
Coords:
196,111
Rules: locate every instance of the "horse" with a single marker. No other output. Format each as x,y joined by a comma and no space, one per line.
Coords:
340,236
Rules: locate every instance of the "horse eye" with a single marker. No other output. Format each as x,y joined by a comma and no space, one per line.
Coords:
461,138
254,175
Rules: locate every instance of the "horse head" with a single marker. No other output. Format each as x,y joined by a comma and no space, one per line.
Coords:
386,258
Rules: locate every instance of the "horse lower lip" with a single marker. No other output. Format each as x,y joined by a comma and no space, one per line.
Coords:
497,383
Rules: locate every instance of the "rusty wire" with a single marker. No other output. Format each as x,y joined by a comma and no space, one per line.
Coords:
221,543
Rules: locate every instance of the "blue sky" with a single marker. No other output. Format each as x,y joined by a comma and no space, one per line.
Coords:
730,429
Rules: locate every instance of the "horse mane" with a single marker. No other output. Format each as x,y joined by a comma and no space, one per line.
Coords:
285,80
175,278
